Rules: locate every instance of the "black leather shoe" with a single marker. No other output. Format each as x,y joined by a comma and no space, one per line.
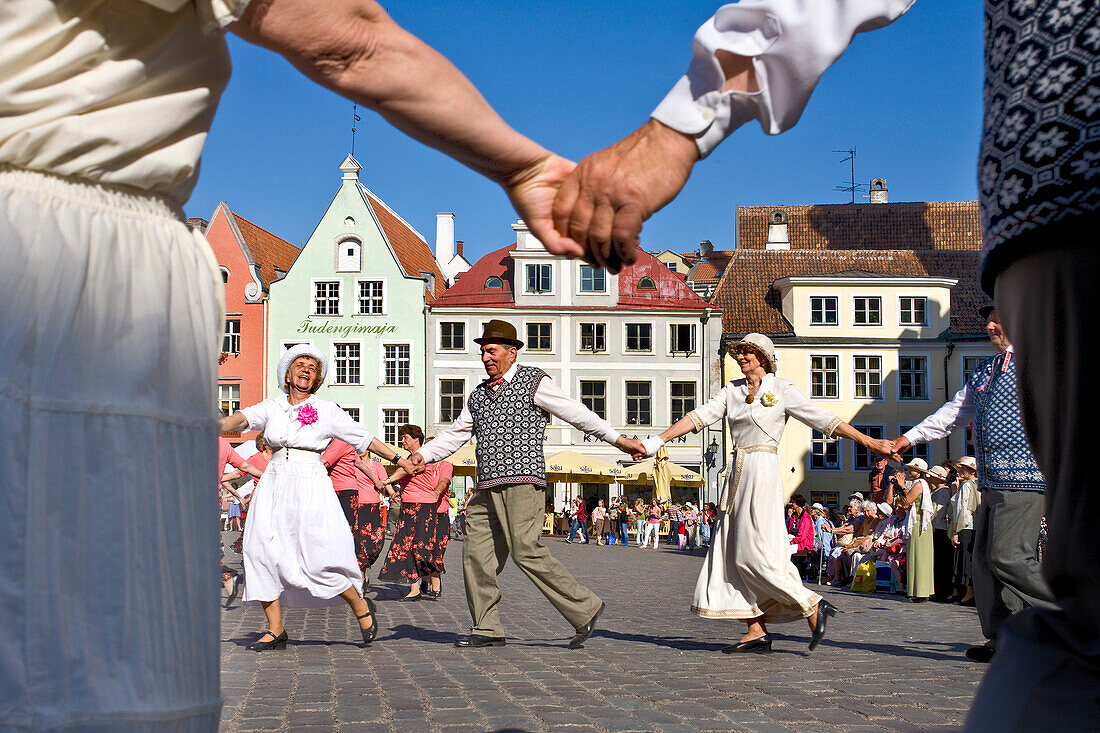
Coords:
586,631
759,645
477,640
983,654
410,599
824,611
275,642
371,633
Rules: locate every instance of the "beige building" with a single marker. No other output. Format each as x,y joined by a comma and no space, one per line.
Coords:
873,310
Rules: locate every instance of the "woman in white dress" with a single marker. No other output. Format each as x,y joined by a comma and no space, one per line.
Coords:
297,543
748,573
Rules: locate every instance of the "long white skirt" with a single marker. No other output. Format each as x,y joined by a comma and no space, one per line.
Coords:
297,543
748,570
109,614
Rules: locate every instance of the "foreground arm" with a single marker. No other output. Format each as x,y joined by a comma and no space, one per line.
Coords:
355,49
752,60
950,417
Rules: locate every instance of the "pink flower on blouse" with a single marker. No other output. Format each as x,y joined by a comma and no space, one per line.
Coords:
307,414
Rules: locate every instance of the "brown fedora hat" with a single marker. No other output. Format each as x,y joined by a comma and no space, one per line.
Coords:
499,332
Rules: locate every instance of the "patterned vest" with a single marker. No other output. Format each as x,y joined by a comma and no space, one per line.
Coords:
1001,449
1040,150
509,428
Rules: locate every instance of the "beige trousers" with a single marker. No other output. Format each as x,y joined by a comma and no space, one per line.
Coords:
508,520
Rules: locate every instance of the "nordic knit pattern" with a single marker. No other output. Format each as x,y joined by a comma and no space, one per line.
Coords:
1040,152
1001,449
509,428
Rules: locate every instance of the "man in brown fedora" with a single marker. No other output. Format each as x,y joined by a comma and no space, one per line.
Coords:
508,414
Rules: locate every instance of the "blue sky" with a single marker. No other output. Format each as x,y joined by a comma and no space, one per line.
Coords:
576,76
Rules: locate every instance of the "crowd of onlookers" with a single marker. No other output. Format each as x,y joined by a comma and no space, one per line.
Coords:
612,523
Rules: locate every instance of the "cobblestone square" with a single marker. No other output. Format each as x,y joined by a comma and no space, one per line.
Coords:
651,665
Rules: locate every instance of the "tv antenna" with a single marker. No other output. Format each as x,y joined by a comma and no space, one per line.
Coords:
851,186
354,118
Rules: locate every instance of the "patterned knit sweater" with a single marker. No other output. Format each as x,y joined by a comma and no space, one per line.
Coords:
1040,151
509,428
1001,449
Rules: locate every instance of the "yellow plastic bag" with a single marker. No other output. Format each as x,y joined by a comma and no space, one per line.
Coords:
864,581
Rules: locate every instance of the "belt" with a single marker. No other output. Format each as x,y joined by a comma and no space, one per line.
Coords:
739,463
296,455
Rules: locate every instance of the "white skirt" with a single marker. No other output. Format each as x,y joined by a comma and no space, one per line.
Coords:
297,543
748,571
109,614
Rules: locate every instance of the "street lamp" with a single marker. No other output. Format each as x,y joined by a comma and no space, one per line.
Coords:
710,459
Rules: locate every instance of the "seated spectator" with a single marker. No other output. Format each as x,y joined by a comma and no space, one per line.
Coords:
872,545
859,526
801,528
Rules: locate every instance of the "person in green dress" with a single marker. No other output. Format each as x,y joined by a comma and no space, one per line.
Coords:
918,549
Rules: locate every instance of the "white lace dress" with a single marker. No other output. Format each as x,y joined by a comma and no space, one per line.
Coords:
748,571
297,543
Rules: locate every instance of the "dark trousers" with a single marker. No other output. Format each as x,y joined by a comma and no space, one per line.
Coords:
943,563
673,531
1046,673
964,558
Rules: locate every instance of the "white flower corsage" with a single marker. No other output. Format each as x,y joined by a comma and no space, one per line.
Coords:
768,399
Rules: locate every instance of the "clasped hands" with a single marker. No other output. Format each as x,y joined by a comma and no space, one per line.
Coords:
892,449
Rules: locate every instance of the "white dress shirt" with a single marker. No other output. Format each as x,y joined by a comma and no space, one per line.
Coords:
791,44
548,396
955,414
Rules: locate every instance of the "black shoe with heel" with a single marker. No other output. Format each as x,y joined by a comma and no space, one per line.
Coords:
370,634
824,611
759,645
276,642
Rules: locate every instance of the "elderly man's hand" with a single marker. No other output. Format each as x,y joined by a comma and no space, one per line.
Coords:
410,465
631,446
901,445
882,447
532,191
602,205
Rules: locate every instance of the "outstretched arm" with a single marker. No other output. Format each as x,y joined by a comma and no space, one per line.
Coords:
355,49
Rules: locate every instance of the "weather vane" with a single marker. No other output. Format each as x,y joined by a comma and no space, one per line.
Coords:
354,118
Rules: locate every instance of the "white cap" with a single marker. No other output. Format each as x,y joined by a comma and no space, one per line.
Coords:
969,462
939,471
818,506
918,463
293,353
886,509
855,495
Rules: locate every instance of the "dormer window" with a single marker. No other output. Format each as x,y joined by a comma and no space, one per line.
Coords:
646,283
493,282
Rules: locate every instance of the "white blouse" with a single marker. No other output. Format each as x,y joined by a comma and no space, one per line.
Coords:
279,421
791,44
113,92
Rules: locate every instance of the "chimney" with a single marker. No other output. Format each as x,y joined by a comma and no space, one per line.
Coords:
458,247
706,249
524,239
878,191
777,231
444,237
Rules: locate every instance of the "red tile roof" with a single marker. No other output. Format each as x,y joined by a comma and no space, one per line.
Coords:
413,253
712,269
269,251
670,291
919,225
750,303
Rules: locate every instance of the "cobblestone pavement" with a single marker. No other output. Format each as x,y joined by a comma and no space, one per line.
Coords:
651,665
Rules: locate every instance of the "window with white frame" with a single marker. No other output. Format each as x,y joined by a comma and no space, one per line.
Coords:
229,398
594,337
353,412
326,298
921,450
231,342
913,311
671,266
912,378
538,278
639,403
824,452
824,377
594,396
396,365
538,337
371,298
683,399
823,310
593,279
452,336
867,377
681,338
639,337
346,363
861,458
868,311
392,419
451,395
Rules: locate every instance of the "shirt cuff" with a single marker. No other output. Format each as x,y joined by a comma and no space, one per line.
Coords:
709,118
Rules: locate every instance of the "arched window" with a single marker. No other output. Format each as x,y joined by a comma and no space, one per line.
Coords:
494,282
646,283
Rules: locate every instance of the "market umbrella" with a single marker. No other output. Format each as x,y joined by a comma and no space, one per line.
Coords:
572,466
662,476
464,461
390,468
646,472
